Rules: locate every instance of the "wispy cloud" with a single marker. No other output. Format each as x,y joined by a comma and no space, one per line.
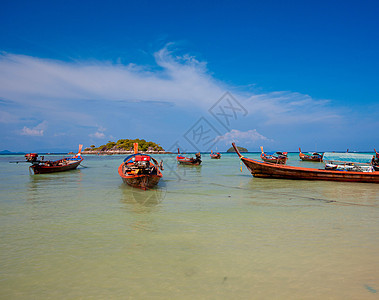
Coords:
99,134
35,131
249,136
80,91
279,108
179,79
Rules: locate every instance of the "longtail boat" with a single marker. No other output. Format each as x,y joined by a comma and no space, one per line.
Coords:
277,158
194,161
216,155
313,157
268,170
42,166
140,170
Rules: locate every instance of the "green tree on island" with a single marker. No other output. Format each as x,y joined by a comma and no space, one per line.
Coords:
127,145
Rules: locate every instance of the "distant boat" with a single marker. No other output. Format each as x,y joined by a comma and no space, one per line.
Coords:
313,157
350,161
215,155
47,166
194,161
269,170
140,170
275,158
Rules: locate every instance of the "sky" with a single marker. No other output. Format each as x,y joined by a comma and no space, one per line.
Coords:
191,74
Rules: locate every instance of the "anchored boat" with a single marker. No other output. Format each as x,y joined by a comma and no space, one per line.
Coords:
311,157
275,158
194,161
215,155
140,170
41,166
269,170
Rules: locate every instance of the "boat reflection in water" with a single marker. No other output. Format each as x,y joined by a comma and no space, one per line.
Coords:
53,185
140,198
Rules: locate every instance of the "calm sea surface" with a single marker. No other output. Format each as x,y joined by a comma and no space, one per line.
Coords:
207,232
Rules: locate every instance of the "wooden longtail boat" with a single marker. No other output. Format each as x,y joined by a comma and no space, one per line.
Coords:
140,170
314,157
215,155
46,166
268,170
188,160
279,158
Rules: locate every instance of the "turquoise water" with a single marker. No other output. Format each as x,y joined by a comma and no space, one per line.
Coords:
207,232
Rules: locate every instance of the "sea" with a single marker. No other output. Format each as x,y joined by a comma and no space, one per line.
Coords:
205,232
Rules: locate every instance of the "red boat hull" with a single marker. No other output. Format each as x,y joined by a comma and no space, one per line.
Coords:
311,158
43,169
305,157
266,170
142,181
280,160
188,161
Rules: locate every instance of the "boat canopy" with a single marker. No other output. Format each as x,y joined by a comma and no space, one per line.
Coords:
136,154
348,157
276,153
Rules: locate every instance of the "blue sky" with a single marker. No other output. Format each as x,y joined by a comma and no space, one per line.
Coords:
305,73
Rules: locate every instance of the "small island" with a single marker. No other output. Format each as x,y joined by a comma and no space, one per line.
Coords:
125,146
240,149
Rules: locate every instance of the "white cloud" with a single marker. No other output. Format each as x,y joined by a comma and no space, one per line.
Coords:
56,87
181,79
98,135
235,135
281,108
35,131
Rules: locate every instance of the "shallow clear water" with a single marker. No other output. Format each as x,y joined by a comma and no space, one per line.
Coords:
207,232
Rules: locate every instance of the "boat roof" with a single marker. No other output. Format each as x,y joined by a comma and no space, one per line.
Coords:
313,153
136,154
348,157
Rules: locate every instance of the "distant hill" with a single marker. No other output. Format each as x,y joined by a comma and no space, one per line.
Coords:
240,149
7,152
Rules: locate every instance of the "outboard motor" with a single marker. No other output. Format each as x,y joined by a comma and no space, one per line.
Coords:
142,162
375,162
198,157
